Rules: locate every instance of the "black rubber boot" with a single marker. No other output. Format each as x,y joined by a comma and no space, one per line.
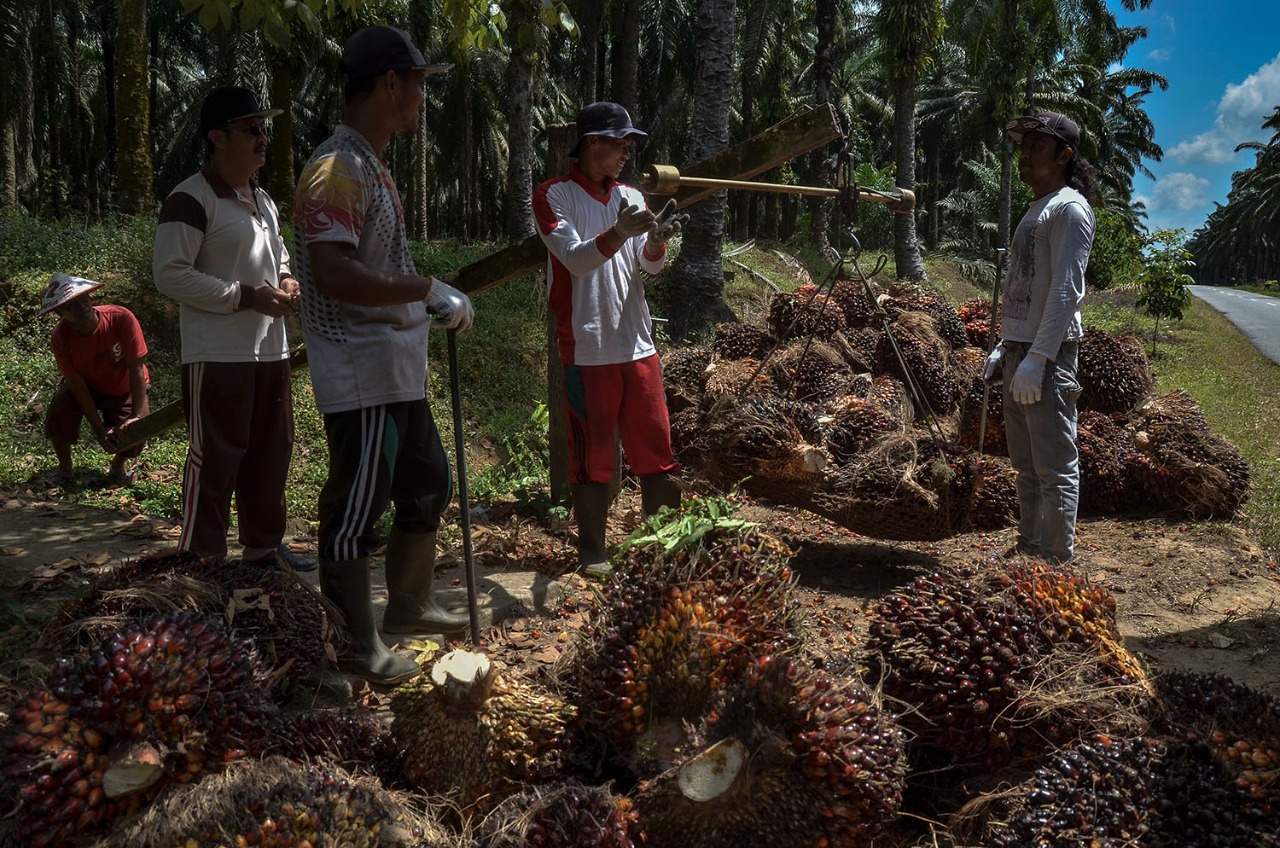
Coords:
657,491
347,584
411,603
591,511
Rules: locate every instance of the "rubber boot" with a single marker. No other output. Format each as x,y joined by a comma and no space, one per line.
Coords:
348,585
411,603
657,491
591,510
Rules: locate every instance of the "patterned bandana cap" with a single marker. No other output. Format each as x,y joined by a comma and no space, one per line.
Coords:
1050,123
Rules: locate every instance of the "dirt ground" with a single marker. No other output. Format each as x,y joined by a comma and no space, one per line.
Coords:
1202,597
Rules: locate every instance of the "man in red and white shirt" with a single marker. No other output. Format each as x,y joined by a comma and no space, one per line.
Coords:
100,352
599,236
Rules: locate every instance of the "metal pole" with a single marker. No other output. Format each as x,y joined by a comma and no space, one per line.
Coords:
1001,253
464,502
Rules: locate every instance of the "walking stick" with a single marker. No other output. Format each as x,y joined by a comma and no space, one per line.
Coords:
1001,253
464,502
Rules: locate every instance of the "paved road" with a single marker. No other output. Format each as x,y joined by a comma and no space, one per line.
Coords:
1256,315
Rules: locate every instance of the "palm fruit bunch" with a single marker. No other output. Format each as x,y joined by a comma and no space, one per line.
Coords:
1153,792
159,701
976,317
1183,466
810,372
1003,660
284,617
734,340
698,595
909,297
993,442
682,376
995,499
804,313
688,438
925,354
473,734
865,344
277,802
772,439
354,741
728,380
904,487
51,780
856,423
851,296
790,757
568,815
1240,727
1113,371
1106,463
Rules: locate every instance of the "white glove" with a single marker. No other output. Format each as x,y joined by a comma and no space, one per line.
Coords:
1027,380
993,370
667,223
452,308
632,221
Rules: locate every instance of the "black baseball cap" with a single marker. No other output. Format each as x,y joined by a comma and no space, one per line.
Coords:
231,103
1050,123
604,118
374,50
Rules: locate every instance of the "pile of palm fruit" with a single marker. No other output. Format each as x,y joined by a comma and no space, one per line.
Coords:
159,702
280,802
866,406
280,612
1001,660
1204,773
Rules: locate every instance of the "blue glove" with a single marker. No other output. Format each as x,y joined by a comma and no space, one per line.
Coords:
1027,380
452,308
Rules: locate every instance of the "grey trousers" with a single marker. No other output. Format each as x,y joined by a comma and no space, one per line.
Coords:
1042,448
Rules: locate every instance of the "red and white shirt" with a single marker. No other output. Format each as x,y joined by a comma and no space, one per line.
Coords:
596,295
103,357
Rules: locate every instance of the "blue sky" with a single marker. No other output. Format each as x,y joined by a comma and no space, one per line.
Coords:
1222,61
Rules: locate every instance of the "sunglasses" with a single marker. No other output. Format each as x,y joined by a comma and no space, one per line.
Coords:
250,129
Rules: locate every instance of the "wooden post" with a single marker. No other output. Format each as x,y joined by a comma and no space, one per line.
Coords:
560,139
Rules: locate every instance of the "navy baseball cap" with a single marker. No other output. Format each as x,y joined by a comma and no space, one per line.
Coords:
1050,123
374,50
604,118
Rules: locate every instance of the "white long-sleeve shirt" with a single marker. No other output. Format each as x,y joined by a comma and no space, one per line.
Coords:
1047,261
212,248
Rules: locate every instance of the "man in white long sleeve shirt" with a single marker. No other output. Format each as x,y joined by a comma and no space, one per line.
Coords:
599,237
219,254
1041,331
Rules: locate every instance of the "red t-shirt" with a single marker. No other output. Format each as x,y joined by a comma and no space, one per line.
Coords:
102,358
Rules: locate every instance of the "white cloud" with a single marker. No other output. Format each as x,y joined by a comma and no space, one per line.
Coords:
1179,192
1160,55
1241,112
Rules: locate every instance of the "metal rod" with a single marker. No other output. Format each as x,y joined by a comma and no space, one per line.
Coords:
464,502
666,179
1001,253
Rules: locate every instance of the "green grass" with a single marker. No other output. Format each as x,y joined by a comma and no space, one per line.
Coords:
502,367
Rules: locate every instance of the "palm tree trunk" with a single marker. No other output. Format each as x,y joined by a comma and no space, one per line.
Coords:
820,208
133,120
697,278
626,54
280,151
906,247
520,71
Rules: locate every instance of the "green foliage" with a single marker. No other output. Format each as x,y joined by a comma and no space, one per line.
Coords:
275,18
673,530
1164,280
1116,258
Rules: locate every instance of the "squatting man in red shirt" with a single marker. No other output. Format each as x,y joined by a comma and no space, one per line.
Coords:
100,352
